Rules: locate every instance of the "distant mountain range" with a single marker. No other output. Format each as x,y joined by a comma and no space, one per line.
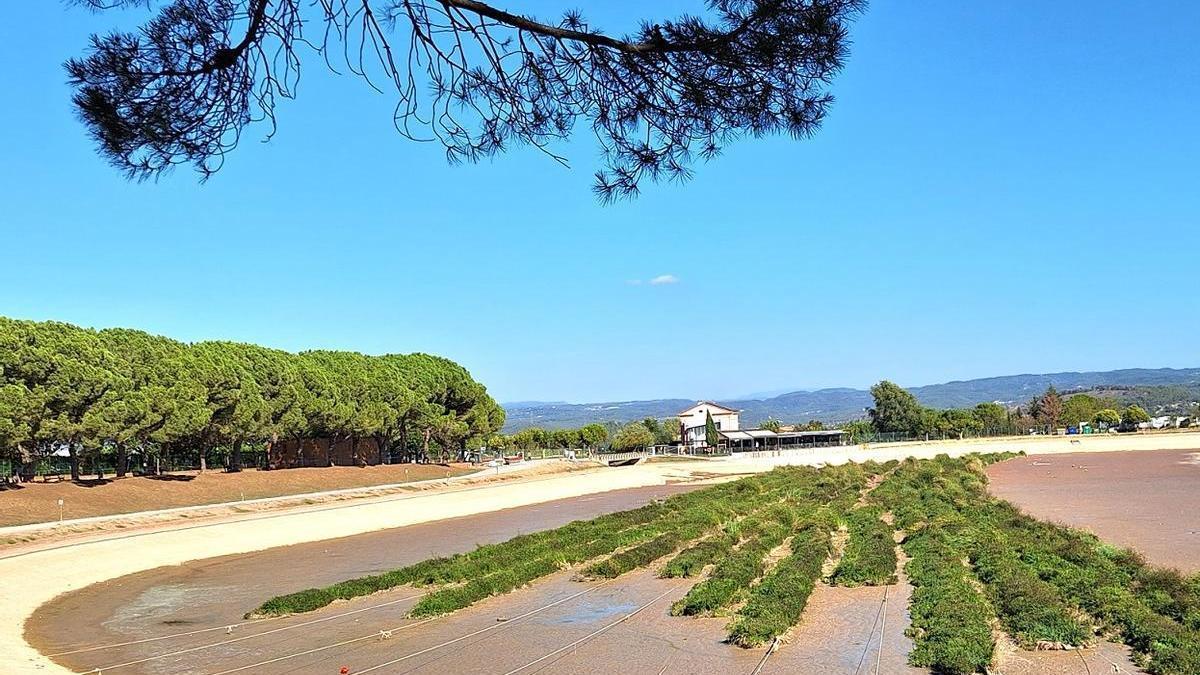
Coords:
840,404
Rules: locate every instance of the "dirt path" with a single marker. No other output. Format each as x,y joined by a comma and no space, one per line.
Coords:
38,502
841,630
47,535
1149,501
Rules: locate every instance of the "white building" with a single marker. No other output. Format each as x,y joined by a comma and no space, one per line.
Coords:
692,422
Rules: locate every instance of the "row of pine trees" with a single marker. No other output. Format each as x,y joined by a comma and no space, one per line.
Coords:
102,396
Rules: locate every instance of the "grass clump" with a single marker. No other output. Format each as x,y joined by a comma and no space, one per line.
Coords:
1031,610
870,555
692,560
638,556
446,600
1145,606
775,605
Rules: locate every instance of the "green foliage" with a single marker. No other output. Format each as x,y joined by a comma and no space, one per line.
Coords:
734,574
1030,609
896,410
1047,409
776,604
860,431
870,555
638,556
593,435
1038,576
711,437
691,561
991,415
974,560
116,391
1134,415
1083,408
1107,417
950,619
634,436
771,424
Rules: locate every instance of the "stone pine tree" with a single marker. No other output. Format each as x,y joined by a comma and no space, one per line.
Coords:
710,431
183,87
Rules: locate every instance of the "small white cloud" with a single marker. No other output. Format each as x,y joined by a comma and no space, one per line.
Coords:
664,279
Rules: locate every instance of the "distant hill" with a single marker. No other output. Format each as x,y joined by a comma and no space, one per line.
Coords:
839,404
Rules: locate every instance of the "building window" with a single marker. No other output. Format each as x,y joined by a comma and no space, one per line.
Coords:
718,425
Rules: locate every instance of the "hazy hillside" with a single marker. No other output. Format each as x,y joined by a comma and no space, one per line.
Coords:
842,404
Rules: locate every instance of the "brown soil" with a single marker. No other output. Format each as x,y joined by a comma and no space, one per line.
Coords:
1146,500
218,591
38,502
1105,657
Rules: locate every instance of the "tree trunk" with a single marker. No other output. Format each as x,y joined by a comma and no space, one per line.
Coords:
98,460
425,445
73,456
274,439
203,459
122,460
234,463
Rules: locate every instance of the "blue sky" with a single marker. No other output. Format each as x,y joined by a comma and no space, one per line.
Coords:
1000,188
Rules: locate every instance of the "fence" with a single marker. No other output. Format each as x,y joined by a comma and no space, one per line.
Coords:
902,436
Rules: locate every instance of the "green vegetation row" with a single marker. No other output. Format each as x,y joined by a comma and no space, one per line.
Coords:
1042,582
976,564
1153,610
951,621
737,569
686,517
108,393
870,555
497,568
775,605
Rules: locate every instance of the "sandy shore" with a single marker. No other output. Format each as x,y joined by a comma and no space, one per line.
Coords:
30,578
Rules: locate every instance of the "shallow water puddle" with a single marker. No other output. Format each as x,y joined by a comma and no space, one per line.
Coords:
159,605
592,611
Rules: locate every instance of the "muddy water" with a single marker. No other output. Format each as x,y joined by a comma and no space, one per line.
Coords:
1147,500
218,591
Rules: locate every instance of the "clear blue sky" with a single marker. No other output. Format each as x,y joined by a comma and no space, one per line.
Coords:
1000,188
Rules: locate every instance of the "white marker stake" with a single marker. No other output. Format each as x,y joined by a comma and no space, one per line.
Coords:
60,511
